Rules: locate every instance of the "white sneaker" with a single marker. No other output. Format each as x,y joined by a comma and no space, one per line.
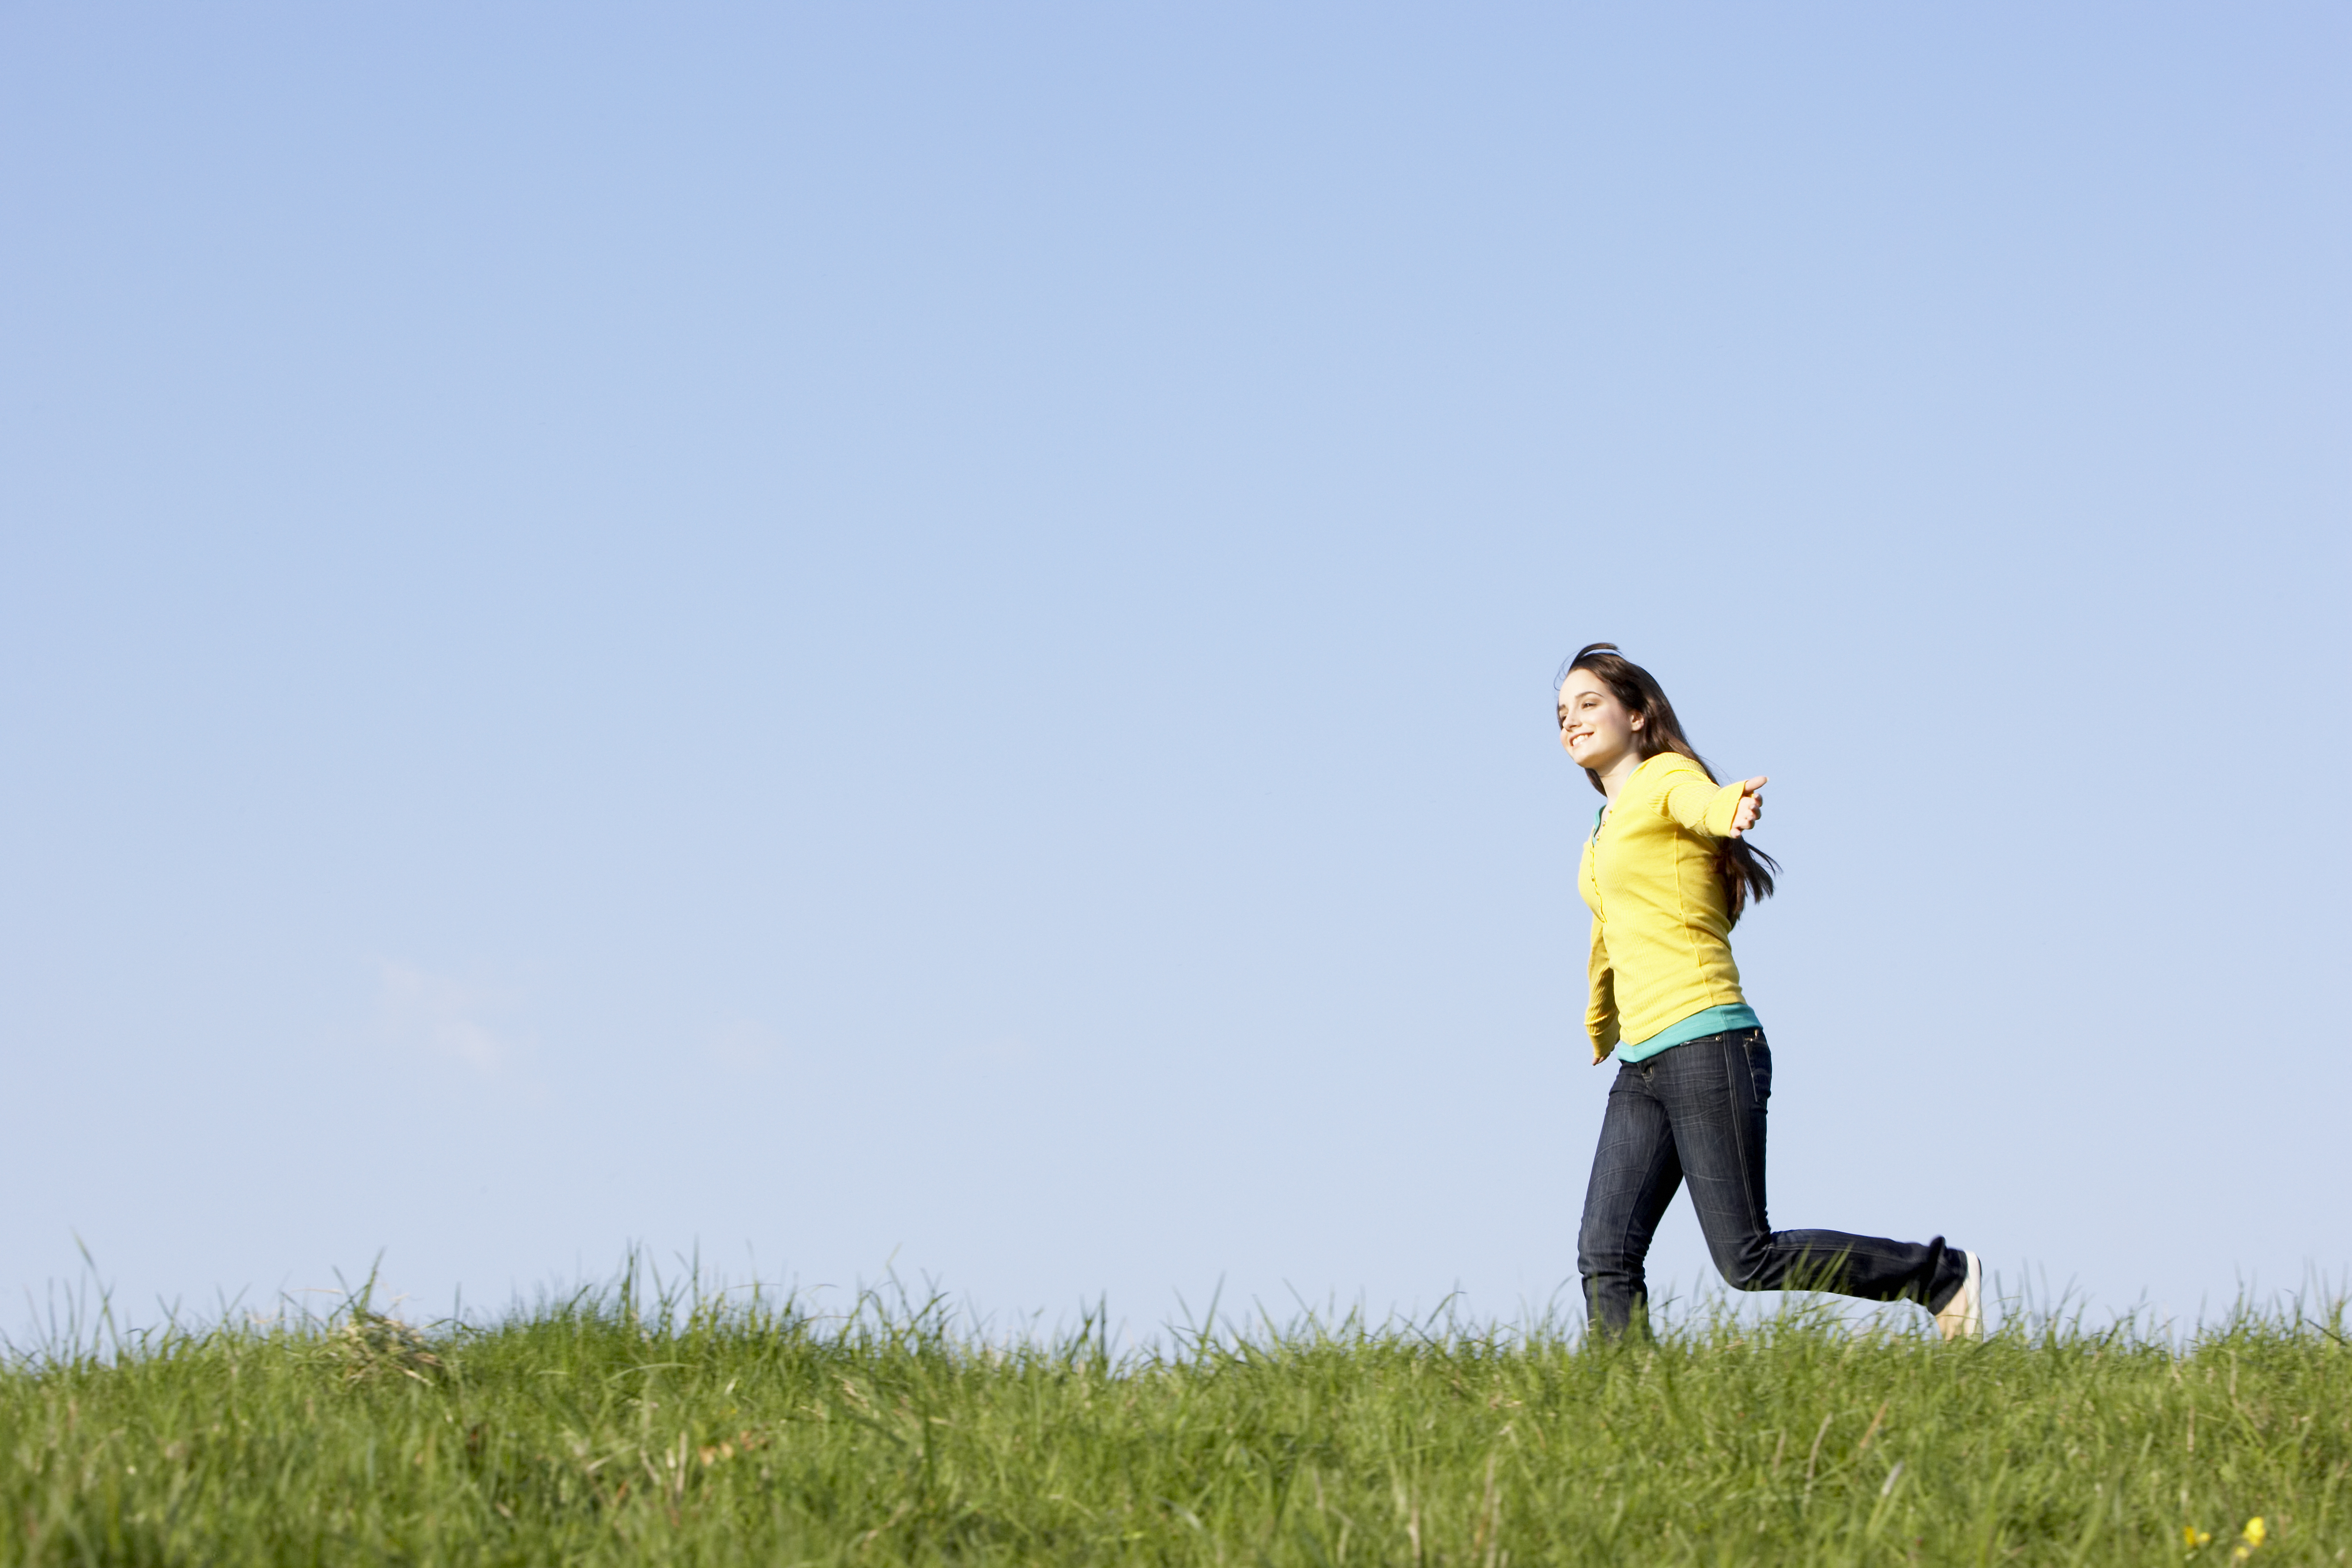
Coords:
1963,1316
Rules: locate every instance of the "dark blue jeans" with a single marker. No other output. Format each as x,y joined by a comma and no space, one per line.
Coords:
1694,1112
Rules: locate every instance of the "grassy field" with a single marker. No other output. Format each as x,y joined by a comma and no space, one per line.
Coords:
614,1428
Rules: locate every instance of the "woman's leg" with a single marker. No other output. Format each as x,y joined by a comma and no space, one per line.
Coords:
1714,1091
1634,1175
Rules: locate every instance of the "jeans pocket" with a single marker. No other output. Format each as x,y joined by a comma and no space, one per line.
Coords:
1760,1064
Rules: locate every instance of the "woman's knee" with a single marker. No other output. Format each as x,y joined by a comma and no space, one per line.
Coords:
1743,1269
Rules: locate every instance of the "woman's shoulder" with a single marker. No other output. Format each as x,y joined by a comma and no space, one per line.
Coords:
1658,774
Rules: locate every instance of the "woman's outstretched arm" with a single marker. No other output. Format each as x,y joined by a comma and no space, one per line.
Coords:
1724,811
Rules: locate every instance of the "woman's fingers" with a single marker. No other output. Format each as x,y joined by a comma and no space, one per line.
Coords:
1750,807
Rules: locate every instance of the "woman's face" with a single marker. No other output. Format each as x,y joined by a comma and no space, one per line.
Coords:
1595,730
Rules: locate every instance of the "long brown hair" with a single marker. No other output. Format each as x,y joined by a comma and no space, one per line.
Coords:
1747,871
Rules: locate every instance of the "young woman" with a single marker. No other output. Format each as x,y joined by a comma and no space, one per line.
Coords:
1667,871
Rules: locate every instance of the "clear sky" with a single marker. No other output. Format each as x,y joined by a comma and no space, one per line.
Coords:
877,635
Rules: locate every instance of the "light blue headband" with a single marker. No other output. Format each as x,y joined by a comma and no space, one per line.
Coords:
1569,663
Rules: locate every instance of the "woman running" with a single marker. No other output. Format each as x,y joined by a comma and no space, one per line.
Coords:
1667,871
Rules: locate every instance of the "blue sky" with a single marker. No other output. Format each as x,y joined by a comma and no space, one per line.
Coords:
882,636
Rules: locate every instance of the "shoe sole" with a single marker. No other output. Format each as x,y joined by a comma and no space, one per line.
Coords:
1963,1315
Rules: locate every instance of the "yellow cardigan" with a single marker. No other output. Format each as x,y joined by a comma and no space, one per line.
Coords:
1660,932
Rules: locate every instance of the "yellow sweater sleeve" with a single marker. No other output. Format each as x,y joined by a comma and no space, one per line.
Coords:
1600,999
1699,805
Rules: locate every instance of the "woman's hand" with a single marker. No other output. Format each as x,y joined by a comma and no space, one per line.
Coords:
1751,805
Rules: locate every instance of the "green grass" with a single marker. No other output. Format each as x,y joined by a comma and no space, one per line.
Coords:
613,1428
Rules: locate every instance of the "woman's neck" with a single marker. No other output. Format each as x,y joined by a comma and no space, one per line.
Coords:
1614,776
